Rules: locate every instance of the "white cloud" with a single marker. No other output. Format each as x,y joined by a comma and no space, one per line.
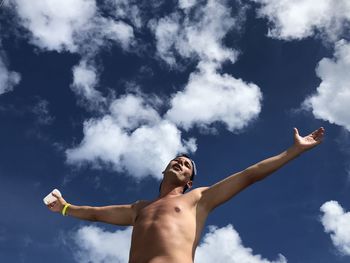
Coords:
8,79
74,26
330,20
225,245
336,222
53,23
166,31
85,78
184,4
210,97
195,36
218,245
131,111
126,10
99,246
141,144
77,27
118,31
303,18
331,101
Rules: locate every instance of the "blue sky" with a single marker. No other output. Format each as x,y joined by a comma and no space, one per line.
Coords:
97,96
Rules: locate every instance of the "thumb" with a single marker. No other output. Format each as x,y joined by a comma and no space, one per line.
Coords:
296,132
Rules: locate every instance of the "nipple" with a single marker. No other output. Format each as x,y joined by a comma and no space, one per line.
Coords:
177,209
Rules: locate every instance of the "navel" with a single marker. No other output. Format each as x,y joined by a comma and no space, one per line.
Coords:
177,209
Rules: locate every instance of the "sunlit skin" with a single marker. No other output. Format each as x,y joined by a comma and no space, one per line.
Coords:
167,229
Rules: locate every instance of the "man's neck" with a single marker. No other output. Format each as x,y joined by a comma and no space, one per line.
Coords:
170,190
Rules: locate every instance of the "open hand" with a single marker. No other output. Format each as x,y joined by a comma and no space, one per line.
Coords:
309,141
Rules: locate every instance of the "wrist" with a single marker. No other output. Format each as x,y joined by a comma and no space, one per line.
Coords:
65,208
296,150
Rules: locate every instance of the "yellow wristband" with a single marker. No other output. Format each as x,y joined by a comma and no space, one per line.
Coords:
64,210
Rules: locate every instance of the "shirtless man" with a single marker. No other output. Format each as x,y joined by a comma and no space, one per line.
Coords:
168,229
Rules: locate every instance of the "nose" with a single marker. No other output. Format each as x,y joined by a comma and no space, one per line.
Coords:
179,161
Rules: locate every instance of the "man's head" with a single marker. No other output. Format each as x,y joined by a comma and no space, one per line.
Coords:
180,171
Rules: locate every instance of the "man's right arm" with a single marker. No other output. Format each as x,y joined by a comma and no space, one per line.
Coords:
123,215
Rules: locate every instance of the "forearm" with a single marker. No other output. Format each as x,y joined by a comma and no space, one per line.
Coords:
264,168
82,212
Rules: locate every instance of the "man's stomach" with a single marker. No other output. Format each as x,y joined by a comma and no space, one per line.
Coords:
161,259
162,242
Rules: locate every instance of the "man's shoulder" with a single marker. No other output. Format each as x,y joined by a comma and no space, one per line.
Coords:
197,192
141,202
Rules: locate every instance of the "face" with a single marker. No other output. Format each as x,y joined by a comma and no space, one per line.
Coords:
179,169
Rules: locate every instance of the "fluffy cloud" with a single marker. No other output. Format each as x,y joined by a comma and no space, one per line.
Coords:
225,245
78,26
127,10
98,246
199,35
329,19
132,111
303,18
117,31
8,79
166,31
336,222
210,97
64,18
332,98
184,4
132,138
133,131
85,78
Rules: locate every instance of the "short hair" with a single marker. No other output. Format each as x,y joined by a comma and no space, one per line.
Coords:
194,171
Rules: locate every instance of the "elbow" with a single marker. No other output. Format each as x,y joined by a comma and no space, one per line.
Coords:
252,176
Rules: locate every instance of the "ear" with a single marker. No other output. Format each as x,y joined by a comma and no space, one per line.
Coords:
189,184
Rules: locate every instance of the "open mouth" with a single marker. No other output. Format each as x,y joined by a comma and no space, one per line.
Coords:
177,167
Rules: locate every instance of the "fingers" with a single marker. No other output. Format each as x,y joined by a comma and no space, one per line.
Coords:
59,198
318,134
319,130
51,205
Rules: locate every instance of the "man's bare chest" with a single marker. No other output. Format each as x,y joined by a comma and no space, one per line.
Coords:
173,209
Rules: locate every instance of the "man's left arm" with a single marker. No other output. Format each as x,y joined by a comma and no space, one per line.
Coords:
230,186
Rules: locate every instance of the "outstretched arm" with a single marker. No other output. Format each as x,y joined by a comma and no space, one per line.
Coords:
115,214
230,186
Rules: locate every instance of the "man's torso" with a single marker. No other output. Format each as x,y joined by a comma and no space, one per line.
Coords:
167,229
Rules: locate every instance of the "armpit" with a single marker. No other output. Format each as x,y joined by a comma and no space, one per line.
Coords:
137,206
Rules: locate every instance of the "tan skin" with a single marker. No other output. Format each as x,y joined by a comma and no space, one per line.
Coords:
168,229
